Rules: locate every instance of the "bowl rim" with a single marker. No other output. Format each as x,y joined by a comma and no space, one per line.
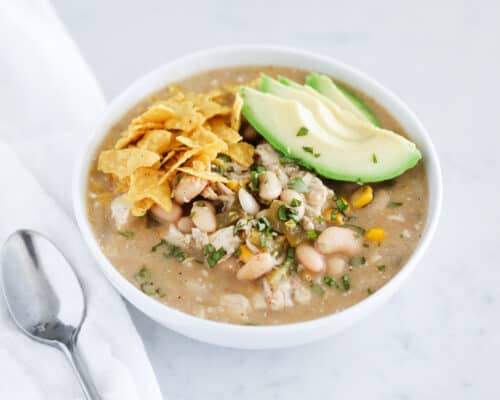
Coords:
172,317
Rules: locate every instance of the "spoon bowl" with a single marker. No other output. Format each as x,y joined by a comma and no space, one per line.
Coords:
44,297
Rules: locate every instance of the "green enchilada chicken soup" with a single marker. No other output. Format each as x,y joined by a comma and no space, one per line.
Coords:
258,195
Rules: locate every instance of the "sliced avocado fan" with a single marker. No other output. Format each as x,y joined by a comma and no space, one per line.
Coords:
342,96
322,136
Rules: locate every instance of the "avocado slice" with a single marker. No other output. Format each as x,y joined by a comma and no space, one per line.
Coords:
293,129
342,96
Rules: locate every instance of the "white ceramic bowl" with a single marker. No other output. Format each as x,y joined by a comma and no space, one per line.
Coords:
256,337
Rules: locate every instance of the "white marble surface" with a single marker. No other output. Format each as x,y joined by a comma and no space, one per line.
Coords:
439,338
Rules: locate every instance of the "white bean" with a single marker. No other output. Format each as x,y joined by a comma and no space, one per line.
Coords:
335,265
309,258
255,267
338,240
172,216
203,216
269,186
288,195
247,202
188,188
185,224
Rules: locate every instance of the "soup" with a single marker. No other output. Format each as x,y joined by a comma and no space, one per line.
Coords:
197,209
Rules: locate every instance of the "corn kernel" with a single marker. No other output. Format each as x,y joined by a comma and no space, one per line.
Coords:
233,185
245,253
375,234
362,196
333,216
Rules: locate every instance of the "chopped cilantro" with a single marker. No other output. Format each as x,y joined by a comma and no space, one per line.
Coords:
302,131
316,288
357,261
381,267
346,282
290,261
312,234
159,244
341,205
213,256
308,149
263,241
329,281
394,204
374,158
297,184
356,228
144,275
126,234
224,158
295,203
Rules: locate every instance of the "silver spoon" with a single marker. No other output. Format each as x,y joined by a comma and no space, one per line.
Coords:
45,298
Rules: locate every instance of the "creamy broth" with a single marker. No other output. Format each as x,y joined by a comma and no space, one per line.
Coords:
399,207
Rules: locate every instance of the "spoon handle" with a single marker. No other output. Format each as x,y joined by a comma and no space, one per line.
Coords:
81,371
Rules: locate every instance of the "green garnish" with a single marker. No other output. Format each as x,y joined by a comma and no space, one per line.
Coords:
369,291
312,233
295,203
374,158
126,234
357,261
213,256
176,252
341,205
316,155
297,184
333,215
144,275
381,267
152,222
224,158
317,289
356,228
329,281
346,282
159,244
286,213
308,149
394,204
302,131
256,170
150,289
263,241
290,261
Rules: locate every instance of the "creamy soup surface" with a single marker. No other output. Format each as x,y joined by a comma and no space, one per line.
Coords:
175,270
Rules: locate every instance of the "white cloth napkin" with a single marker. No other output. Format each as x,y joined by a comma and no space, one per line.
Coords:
48,101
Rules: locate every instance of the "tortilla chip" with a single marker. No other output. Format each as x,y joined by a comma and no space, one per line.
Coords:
123,163
157,113
209,176
223,131
157,141
236,112
141,207
242,153
186,118
177,163
170,154
145,184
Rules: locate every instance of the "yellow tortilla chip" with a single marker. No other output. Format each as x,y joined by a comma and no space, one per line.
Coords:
157,141
187,141
141,207
177,163
145,184
236,112
168,157
224,132
157,113
135,132
186,118
123,163
209,176
242,153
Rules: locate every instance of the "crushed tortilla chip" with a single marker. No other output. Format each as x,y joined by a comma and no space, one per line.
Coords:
157,113
177,163
141,207
123,163
186,118
223,131
157,141
236,112
209,176
145,183
242,153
